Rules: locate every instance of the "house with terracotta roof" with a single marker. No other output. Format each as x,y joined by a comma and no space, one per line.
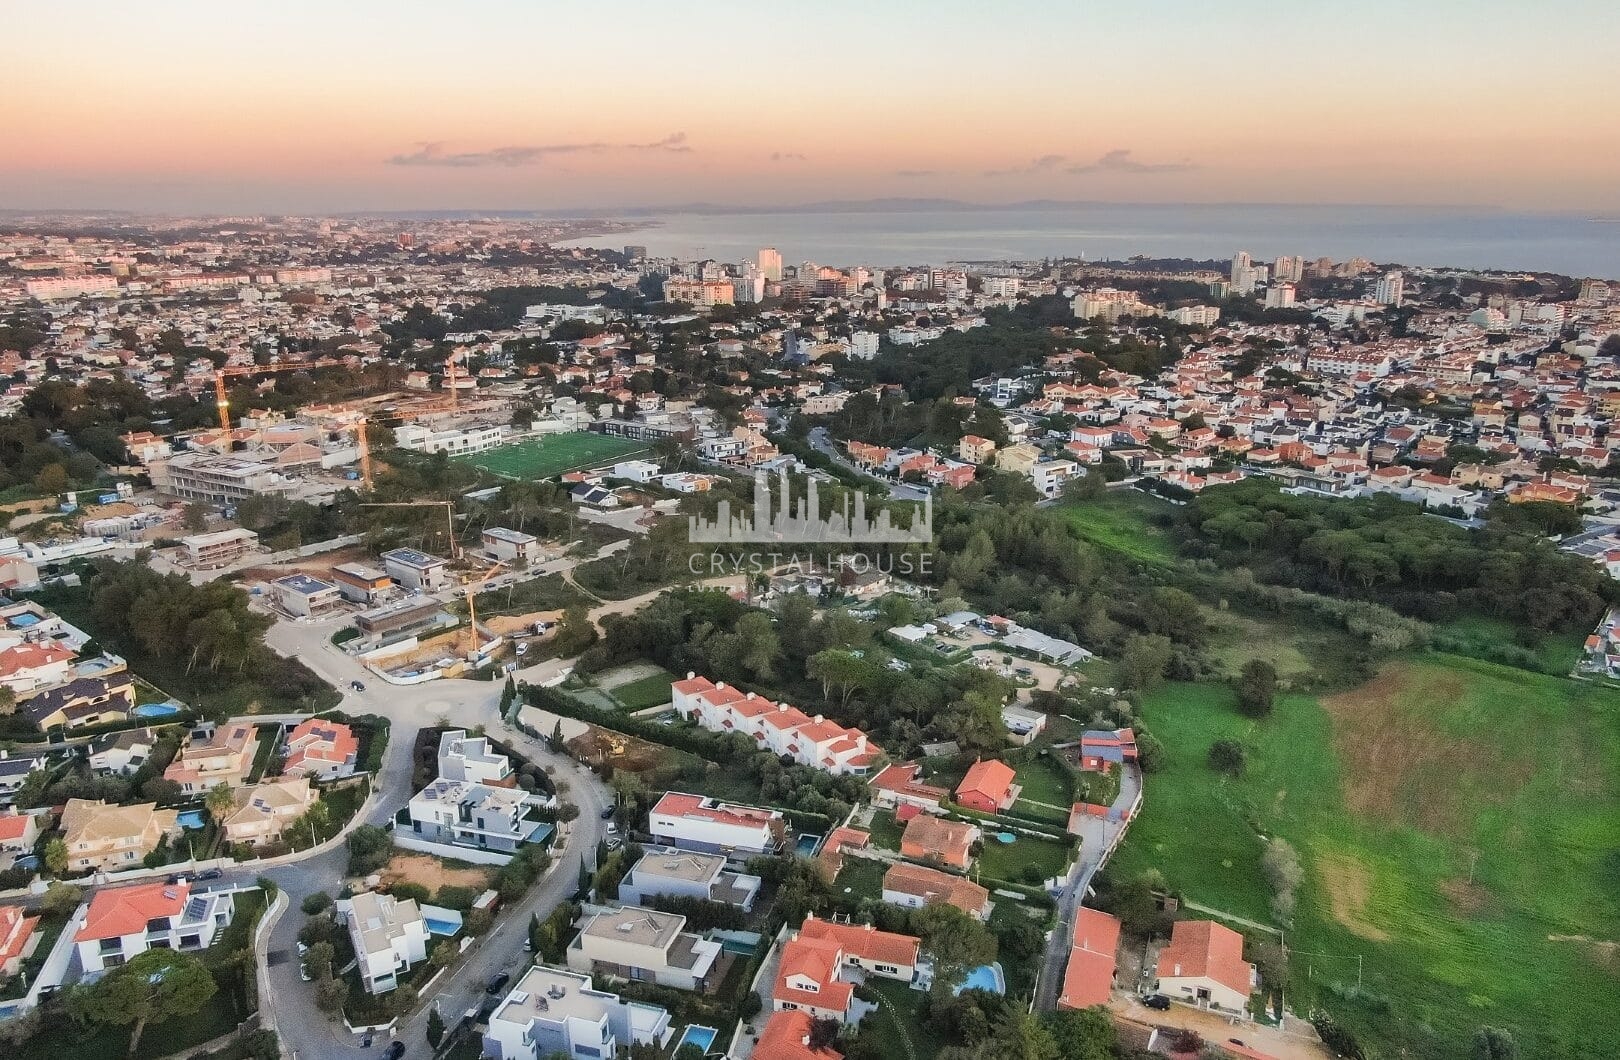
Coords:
27,667
897,784
100,836
18,939
322,750
1088,979
822,962
988,786
840,839
787,1037
213,756
1203,965
929,838
697,822
915,886
263,810
780,728
124,922
18,834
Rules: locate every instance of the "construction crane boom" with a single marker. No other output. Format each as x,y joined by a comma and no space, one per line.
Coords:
472,607
222,401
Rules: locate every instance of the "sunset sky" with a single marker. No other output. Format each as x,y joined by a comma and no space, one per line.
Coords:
529,104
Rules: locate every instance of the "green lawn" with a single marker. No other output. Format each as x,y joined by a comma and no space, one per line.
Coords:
1482,637
1123,520
1459,824
1299,651
651,691
898,1025
1011,861
1044,780
886,831
861,877
269,737
1099,789
554,454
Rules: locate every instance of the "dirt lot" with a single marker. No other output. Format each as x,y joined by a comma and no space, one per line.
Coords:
1297,1042
432,873
319,565
598,745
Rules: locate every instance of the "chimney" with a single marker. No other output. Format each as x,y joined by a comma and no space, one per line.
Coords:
749,696
860,741
819,719
690,674
720,684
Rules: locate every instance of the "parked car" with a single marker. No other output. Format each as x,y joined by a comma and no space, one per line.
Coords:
607,814
394,1051
612,828
27,861
303,972
614,843
210,874
498,982
360,686
1157,1001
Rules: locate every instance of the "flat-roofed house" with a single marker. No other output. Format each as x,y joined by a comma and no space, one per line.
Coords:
389,936
416,570
687,874
306,596
696,822
512,546
642,945
361,584
1203,965
473,759
551,1011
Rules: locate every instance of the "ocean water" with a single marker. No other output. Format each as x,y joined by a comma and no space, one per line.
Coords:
1476,238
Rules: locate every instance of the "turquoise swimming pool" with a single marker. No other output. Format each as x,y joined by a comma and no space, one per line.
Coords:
702,1037
192,819
156,710
984,977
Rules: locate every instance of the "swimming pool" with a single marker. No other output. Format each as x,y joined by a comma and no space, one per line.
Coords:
156,710
1006,837
984,977
806,845
192,819
702,1037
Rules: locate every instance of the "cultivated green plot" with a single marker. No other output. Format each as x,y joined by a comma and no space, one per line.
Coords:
555,454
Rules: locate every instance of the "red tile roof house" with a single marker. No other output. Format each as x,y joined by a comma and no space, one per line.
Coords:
935,839
1089,978
1203,965
988,786
1101,750
324,750
18,939
897,785
822,961
125,922
787,1037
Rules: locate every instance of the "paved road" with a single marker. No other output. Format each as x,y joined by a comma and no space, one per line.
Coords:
1095,839
305,1030
900,491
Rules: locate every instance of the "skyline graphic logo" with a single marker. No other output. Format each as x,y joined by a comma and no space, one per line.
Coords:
804,522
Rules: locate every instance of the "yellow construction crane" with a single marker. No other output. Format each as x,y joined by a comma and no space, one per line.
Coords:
223,402
449,516
472,607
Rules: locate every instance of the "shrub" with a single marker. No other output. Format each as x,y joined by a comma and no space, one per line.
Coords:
1228,756
315,903
453,897
407,891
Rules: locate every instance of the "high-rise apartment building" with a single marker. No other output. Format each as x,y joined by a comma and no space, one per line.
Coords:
1391,289
1288,268
770,264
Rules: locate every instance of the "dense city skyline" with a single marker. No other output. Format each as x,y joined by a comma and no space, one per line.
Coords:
517,106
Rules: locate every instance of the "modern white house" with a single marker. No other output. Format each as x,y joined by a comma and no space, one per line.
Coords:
473,817
641,945
306,596
552,1011
696,822
509,546
416,570
124,922
388,935
687,874
472,759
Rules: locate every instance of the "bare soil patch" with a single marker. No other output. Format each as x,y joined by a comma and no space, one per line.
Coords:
1467,898
598,746
1398,765
432,873
1348,884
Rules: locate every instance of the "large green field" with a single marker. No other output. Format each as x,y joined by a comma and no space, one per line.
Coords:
1459,823
554,454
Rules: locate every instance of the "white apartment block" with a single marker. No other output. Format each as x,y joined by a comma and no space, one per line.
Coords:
199,476
776,727
456,442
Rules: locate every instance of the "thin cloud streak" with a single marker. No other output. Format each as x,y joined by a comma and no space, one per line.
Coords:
433,153
1036,165
1119,160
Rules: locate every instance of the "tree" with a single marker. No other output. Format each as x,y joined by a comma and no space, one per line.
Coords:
369,850
52,479
1144,661
1228,756
153,987
60,899
1087,1034
1257,688
1281,867
1492,1043
56,856
8,698
435,1027
330,994
1087,486
318,960
957,941
220,801
195,517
